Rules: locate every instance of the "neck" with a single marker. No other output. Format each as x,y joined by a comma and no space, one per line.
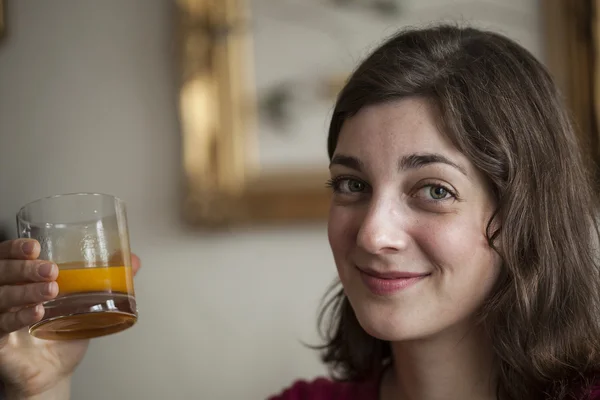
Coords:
452,365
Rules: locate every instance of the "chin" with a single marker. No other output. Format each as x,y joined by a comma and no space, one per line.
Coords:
386,322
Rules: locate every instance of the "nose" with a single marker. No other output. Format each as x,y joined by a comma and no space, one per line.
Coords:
383,229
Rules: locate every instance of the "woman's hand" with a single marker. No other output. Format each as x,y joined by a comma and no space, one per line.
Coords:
30,366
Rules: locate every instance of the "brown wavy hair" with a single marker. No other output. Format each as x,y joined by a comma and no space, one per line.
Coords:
500,108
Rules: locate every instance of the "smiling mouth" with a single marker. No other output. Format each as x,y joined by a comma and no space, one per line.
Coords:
388,283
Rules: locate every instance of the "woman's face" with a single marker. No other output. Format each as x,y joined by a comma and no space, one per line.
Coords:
407,223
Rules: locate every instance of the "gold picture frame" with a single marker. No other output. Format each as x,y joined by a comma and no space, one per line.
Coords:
223,183
224,186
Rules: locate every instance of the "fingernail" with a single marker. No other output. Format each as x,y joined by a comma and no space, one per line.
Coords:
49,288
46,270
28,247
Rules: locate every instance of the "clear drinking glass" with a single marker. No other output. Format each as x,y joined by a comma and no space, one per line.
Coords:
86,235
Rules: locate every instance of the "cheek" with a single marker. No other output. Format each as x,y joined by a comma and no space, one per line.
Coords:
341,231
459,248
467,269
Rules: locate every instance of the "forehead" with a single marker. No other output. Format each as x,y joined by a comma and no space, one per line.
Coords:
394,129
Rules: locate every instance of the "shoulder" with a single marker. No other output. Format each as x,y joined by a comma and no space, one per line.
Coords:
326,389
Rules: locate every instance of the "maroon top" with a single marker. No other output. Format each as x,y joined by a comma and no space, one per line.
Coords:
325,389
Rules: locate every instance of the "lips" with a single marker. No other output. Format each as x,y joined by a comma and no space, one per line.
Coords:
393,274
387,283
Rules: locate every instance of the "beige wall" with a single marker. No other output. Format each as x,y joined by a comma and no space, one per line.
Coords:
87,103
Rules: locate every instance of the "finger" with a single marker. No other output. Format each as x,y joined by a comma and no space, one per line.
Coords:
24,295
136,263
117,259
20,249
23,271
24,317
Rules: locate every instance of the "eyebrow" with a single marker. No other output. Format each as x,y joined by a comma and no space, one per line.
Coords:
348,162
415,161
411,161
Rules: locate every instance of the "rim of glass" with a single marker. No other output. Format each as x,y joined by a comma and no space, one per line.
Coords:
55,196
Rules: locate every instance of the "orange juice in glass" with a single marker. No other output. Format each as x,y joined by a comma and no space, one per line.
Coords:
86,235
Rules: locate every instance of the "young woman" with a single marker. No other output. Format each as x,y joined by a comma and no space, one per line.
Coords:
463,228
462,225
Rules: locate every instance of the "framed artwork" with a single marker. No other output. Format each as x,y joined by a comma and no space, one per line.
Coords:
258,84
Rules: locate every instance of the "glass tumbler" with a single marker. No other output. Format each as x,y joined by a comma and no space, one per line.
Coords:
86,235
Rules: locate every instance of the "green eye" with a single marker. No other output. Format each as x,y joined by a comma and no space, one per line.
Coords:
438,192
344,185
355,186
